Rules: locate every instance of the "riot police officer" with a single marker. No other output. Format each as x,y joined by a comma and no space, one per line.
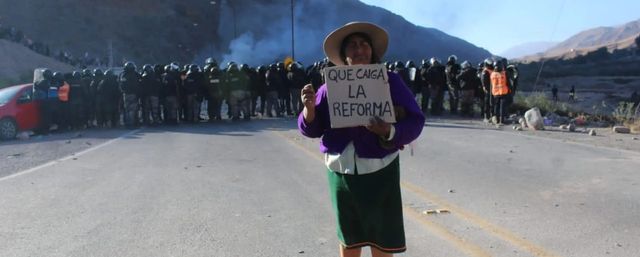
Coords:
170,89
150,96
108,97
452,70
130,87
238,84
437,80
213,81
41,91
485,79
77,97
192,85
297,81
273,87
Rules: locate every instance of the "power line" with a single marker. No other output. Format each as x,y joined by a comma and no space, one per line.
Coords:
553,32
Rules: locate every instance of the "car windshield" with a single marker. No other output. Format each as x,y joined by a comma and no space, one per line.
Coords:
7,93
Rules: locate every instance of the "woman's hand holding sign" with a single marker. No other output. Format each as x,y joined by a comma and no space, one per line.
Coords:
379,127
308,97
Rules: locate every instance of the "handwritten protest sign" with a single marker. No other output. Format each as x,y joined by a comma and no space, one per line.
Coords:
356,93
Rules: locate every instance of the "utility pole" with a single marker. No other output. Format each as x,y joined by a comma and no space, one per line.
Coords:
110,53
293,49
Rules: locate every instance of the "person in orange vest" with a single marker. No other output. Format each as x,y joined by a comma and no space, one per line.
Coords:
499,90
63,105
485,79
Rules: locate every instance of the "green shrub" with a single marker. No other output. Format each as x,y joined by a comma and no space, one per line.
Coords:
540,100
625,112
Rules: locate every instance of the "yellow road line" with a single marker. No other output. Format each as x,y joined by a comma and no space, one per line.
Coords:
467,247
497,231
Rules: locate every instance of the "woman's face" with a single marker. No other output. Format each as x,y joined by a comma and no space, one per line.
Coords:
357,51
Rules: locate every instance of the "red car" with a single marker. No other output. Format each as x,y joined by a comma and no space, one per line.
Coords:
19,110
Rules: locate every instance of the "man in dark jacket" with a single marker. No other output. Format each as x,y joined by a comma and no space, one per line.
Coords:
437,80
193,84
452,70
130,87
77,96
108,97
213,81
297,81
150,96
469,84
238,84
273,87
170,89
423,85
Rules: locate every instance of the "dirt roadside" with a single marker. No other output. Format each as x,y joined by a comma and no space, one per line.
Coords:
605,137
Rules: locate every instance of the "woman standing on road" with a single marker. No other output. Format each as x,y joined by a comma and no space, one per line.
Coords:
363,161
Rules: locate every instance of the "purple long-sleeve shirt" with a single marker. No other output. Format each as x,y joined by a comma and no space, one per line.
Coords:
366,143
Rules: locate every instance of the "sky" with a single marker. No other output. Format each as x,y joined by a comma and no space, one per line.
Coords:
499,25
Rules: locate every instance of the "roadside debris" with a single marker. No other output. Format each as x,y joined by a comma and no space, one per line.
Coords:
435,211
592,132
23,135
621,130
534,119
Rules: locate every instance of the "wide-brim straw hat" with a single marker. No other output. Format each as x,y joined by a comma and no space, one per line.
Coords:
379,39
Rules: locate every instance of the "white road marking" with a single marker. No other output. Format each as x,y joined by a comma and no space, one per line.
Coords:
73,155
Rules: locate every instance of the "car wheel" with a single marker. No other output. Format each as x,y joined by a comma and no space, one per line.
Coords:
8,129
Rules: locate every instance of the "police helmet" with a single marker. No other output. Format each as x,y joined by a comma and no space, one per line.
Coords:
434,61
129,66
244,67
97,72
147,68
86,72
194,68
488,62
465,65
47,74
108,72
232,67
452,58
58,76
211,61
399,65
410,64
76,75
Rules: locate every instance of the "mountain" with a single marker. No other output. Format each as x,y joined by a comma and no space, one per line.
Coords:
527,49
246,31
17,63
619,37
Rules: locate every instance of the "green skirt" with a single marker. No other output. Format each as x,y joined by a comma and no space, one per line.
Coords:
368,209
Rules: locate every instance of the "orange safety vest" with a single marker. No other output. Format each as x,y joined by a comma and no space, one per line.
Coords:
63,92
499,85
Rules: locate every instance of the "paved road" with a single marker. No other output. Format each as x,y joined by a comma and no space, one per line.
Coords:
259,189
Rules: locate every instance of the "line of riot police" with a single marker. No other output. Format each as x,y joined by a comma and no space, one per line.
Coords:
465,86
170,94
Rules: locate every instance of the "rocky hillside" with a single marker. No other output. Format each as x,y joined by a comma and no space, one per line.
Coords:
18,62
252,31
612,38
